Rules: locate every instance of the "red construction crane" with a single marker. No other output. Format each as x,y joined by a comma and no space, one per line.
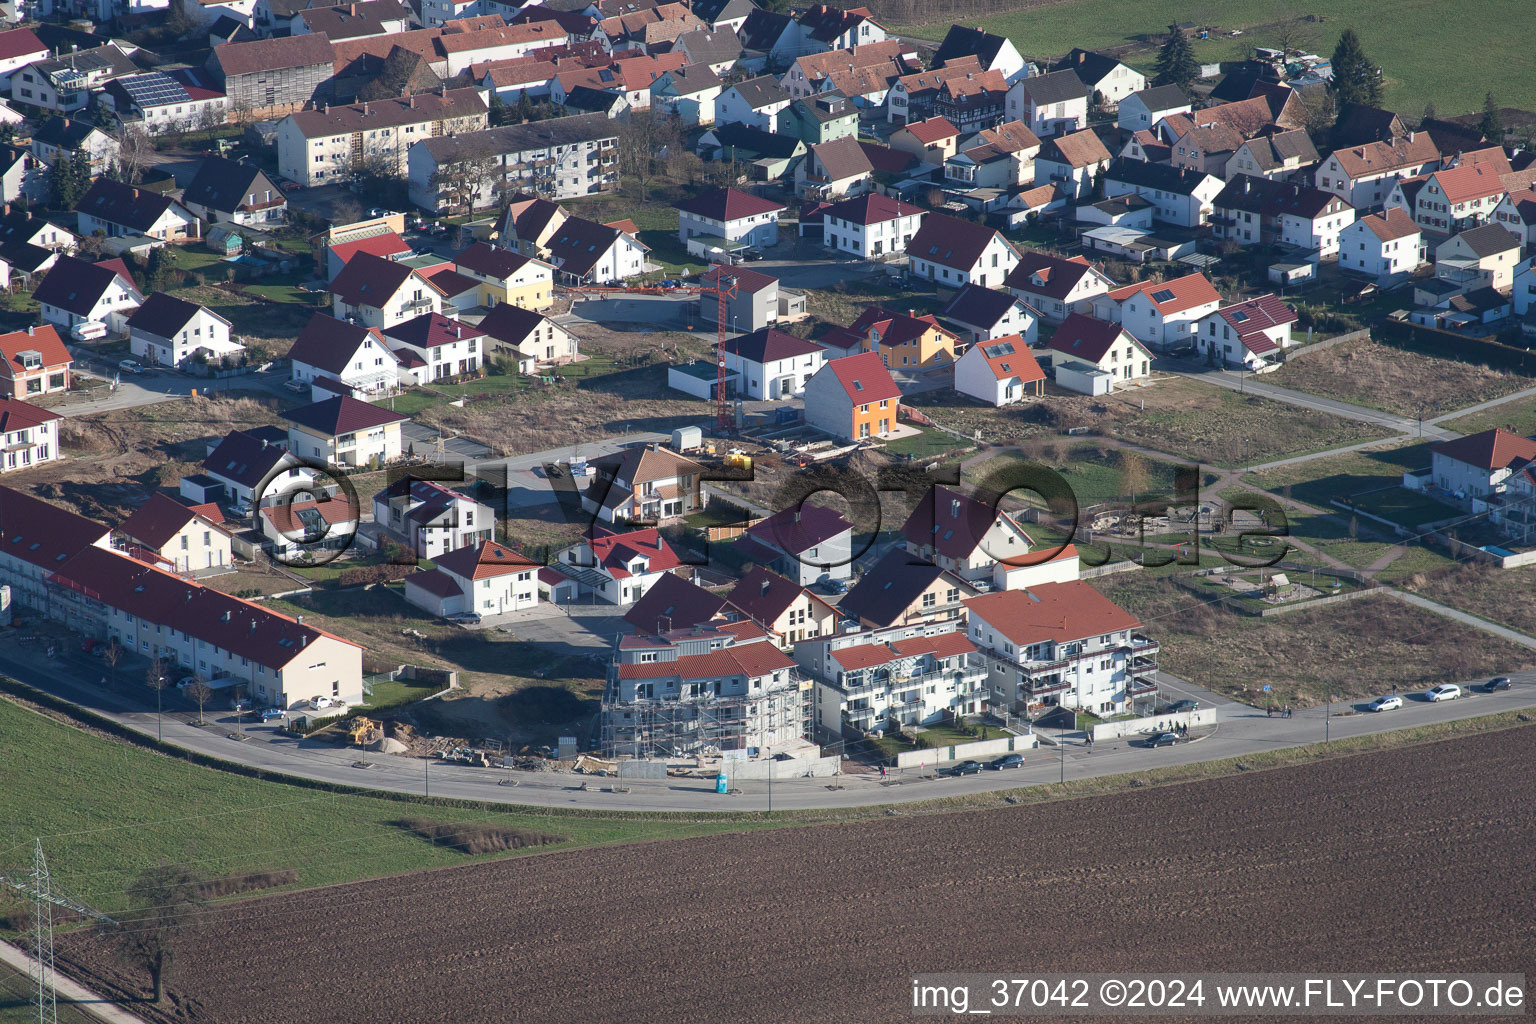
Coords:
724,290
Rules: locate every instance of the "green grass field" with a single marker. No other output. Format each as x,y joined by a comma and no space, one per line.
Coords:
107,810
1454,72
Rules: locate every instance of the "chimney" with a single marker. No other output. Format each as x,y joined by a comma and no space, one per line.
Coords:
954,508
1247,184
1412,135
300,619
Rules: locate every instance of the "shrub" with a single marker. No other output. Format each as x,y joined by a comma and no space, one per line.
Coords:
477,837
230,885
373,574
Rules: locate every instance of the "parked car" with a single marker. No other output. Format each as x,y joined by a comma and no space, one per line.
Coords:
321,703
296,386
1445,691
271,713
1496,683
1180,706
750,255
1163,739
466,618
130,366
1388,703
965,768
997,764
379,211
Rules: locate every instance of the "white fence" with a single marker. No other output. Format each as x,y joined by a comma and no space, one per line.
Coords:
960,751
1153,723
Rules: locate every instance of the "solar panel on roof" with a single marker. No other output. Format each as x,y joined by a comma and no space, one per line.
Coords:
1162,295
154,89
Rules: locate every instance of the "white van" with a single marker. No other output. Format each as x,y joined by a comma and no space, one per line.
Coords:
88,330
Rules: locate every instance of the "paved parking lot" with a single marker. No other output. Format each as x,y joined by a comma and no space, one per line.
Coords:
578,629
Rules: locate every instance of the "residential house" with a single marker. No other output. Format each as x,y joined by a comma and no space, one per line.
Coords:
586,252
1250,333
345,432
1050,104
962,534
1384,246
912,97
317,147
680,694
717,49
269,78
626,80
1179,196
535,339
1358,124
999,371
1108,80
647,29
752,300
906,340
730,215
506,276
1095,356
723,15
35,539
1516,213
350,353
33,362
184,538
885,61
771,364
18,48
688,93
1062,644
805,542
430,519
170,331
870,225
1485,256
1451,199
756,103
116,210
973,102
487,578
672,603
899,591
29,435
982,314
921,674
355,20
994,52
160,102
1364,174
1252,210
1160,314
65,84
433,347
528,224
820,118
932,141
765,156
783,607
1523,291
1001,158
1056,286
380,293
619,567
832,170
76,292
558,158
80,140
1279,154
1478,465
22,175
253,467
853,398
1072,162
1143,109
951,252
231,192
647,483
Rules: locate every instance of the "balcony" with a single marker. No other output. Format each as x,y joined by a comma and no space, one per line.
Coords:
1142,646
1041,688
1142,686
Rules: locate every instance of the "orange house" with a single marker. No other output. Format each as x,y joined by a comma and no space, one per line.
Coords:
906,340
853,398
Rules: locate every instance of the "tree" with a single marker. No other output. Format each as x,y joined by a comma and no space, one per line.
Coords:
7,133
168,899
645,137
201,693
134,149
157,270
1176,64
1492,124
1133,474
64,189
1355,78
112,655
1293,36
466,179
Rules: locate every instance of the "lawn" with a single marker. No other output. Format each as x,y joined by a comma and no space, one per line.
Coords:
1506,596
398,692
1095,474
1359,648
1404,507
1406,383
928,443
1518,416
108,810
1454,73
1317,481
16,1006
273,322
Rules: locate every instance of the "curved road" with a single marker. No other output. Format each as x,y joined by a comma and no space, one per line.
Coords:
1241,730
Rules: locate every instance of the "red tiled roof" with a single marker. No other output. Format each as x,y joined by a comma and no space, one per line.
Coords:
1393,224
799,528
748,282
1009,356
43,340
742,659
871,208
613,550
944,645
484,561
863,378
382,245
1252,318
45,535
935,129
1043,274
765,595
1057,612
1467,182
285,517
431,329
369,280
1181,293
341,415
1490,450
435,582
21,42
1086,336
951,522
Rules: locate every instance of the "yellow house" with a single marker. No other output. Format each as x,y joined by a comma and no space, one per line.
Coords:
905,340
507,276
785,608
187,537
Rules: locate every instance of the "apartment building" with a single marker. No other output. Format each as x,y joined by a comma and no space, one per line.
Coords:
317,147
561,158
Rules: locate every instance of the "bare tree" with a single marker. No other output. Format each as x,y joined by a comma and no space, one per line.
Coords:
1293,36
168,898
647,137
201,693
1133,474
465,180
112,655
134,149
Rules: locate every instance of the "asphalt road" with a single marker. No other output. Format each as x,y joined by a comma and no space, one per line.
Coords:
1241,731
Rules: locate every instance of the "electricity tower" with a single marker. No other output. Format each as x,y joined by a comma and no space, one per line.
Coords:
39,888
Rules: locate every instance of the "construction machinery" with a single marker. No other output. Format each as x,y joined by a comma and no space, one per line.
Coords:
360,728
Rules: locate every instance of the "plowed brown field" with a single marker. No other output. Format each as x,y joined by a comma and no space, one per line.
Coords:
1422,858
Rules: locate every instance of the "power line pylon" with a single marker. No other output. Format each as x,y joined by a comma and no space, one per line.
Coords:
39,887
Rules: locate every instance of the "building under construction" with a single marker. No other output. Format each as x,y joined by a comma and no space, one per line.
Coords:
711,689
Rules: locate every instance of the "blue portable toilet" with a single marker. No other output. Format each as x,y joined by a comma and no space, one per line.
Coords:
722,783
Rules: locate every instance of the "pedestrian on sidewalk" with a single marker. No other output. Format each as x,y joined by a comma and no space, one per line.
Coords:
1269,711
882,771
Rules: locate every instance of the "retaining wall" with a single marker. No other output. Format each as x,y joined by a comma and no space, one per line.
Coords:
961,751
1150,724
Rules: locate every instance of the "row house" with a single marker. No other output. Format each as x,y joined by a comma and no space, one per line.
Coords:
29,435
1160,314
1364,175
911,97
1253,210
783,607
317,147
33,362
185,538
36,538
711,688
506,276
907,675
973,102
430,519
433,347
1062,644
1056,286
1449,200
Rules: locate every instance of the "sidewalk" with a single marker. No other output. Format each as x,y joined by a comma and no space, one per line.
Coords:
70,991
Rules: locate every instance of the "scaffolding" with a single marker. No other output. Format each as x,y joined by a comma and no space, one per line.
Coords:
709,724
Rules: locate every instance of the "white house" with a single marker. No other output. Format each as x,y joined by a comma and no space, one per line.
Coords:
999,371
1072,162
1252,210
1107,79
951,252
870,225
308,525
487,578
995,53
585,252
431,519
1051,104
344,432
535,338
377,292
1142,110
1516,213
729,214
1451,199
117,210
1382,245
168,331
1250,333
1523,288
1364,176
771,364
186,538
355,355
29,435
756,103
444,348
254,466
1056,285
619,567
76,292
1094,356
1480,464
1179,196
981,314
1160,314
